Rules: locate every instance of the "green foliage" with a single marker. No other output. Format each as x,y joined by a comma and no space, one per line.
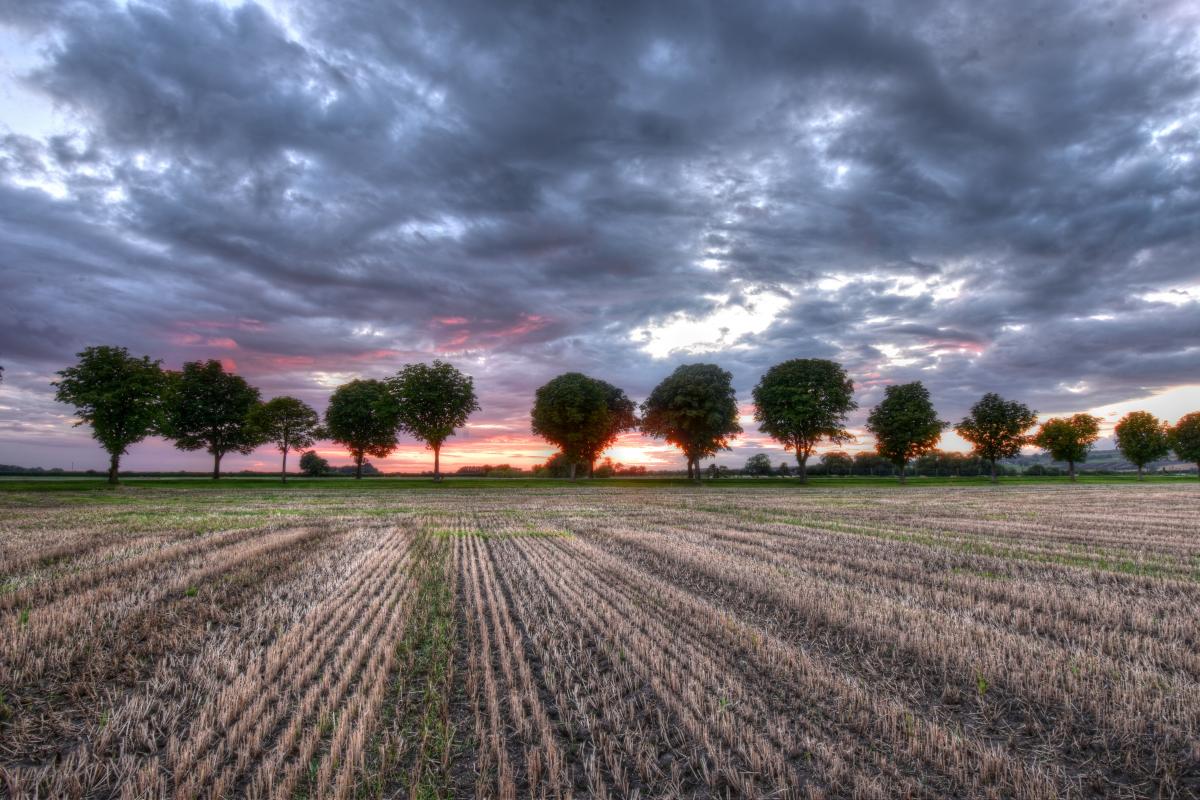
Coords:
362,417
837,461
287,422
1185,438
312,465
582,416
695,409
209,409
905,424
118,395
714,471
996,428
803,402
433,400
758,464
557,466
1142,438
1068,439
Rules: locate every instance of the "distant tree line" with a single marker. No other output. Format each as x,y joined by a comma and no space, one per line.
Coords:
202,407
802,403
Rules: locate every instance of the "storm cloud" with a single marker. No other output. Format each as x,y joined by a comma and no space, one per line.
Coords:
983,198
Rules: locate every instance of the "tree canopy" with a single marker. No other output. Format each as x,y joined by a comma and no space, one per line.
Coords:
996,428
837,461
1068,439
312,465
434,400
582,416
758,464
120,396
905,424
801,403
1185,438
209,409
1142,438
362,417
695,409
287,422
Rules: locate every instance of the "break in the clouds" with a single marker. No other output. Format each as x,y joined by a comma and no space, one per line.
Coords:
984,197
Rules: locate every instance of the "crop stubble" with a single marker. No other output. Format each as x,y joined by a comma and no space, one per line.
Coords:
604,643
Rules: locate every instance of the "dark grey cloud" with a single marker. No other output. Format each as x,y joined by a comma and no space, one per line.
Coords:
996,198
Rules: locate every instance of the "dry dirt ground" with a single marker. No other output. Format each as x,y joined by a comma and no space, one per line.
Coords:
1036,641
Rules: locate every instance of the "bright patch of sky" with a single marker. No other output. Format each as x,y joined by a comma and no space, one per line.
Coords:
722,328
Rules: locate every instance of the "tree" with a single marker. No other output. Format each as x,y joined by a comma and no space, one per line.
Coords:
289,423
802,402
606,469
1142,438
784,470
905,424
758,464
209,409
1185,439
313,465
837,460
1068,439
557,466
996,428
119,395
362,417
434,400
582,416
695,409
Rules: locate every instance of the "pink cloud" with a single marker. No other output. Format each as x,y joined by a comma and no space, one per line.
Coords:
486,339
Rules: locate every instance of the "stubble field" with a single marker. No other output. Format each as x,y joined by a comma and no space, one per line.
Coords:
353,642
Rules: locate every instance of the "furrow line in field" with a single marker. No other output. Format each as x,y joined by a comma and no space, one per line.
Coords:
915,649
1162,634
899,730
543,760
251,709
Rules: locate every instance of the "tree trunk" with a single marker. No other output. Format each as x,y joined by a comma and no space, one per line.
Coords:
1141,475
689,468
802,461
1071,471
573,465
217,466
283,469
591,468
995,477
437,462
114,464
358,459
901,466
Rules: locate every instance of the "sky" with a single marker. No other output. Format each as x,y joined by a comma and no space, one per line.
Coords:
984,197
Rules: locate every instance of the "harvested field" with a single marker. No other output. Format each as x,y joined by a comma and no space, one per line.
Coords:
349,642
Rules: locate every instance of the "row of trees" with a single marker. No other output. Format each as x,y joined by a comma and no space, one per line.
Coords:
202,407
804,403
868,462
801,403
